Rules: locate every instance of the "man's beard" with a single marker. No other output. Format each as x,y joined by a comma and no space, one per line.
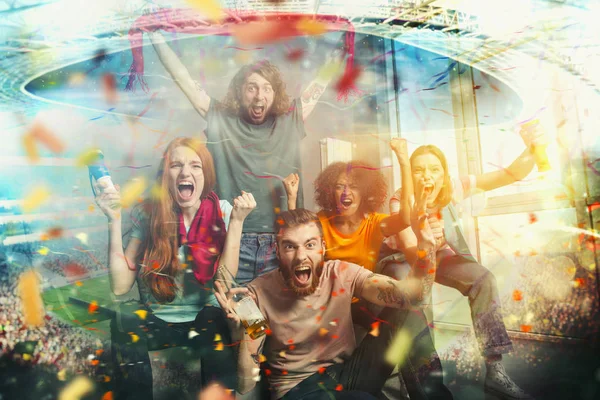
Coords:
303,291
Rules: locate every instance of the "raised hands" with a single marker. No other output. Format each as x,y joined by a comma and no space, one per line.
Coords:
291,184
243,206
419,222
398,146
108,200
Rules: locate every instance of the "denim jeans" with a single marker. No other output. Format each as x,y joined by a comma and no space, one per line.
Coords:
132,372
257,256
475,282
363,375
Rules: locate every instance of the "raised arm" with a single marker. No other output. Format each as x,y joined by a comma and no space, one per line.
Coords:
196,95
400,221
384,291
120,264
248,350
242,207
532,135
316,88
291,184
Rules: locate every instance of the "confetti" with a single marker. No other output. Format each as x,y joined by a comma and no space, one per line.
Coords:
93,307
47,138
31,298
35,198
107,396
78,388
43,250
374,329
526,328
82,237
399,348
192,334
132,191
134,337
217,338
517,295
62,375
30,148
219,346
210,8
89,156
143,313
323,332
309,26
109,87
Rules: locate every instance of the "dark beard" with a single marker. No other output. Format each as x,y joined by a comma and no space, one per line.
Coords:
301,292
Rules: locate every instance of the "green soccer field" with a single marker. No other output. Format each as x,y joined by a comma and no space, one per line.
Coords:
71,304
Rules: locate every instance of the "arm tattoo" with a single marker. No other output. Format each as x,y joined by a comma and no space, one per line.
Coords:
425,270
391,294
312,93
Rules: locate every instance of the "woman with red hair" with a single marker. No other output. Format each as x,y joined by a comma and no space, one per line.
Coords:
178,239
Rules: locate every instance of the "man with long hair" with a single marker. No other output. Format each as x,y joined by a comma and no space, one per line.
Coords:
254,136
311,351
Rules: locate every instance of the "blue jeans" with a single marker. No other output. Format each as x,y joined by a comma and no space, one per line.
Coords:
257,256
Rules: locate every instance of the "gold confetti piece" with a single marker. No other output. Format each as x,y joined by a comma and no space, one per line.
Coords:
62,375
217,338
35,198
323,332
26,356
30,148
219,346
311,27
76,79
374,329
132,191
88,157
31,299
328,71
262,358
141,313
76,389
134,337
82,237
210,8
157,192
43,250
398,350
282,354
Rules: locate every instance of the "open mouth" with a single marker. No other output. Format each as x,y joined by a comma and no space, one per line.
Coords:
185,190
428,188
346,202
257,111
302,275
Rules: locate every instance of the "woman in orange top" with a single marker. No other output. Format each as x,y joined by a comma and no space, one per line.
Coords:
349,195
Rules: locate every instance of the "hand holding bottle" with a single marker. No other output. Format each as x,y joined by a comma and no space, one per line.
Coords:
534,138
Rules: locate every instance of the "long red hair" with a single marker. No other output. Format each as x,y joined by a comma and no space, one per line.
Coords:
161,244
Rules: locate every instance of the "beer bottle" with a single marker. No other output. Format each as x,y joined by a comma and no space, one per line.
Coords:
246,309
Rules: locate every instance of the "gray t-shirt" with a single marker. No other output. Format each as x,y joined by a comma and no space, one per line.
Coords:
191,296
254,158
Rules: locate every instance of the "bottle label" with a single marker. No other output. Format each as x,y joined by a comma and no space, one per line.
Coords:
247,310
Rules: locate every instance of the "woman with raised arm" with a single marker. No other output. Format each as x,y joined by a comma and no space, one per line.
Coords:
178,239
457,268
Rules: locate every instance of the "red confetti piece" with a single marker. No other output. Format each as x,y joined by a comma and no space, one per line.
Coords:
339,388
517,295
532,218
346,84
268,332
93,307
322,370
107,396
580,282
74,269
43,135
295,55
267,372
109,87
526,328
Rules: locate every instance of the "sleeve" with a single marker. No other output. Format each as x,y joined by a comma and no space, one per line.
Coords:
352,276
226,209
214,109
297,121
395,202
139,220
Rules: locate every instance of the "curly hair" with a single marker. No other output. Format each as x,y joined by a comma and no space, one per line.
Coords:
232,101
369,179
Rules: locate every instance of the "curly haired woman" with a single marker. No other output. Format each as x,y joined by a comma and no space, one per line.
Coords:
177,241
